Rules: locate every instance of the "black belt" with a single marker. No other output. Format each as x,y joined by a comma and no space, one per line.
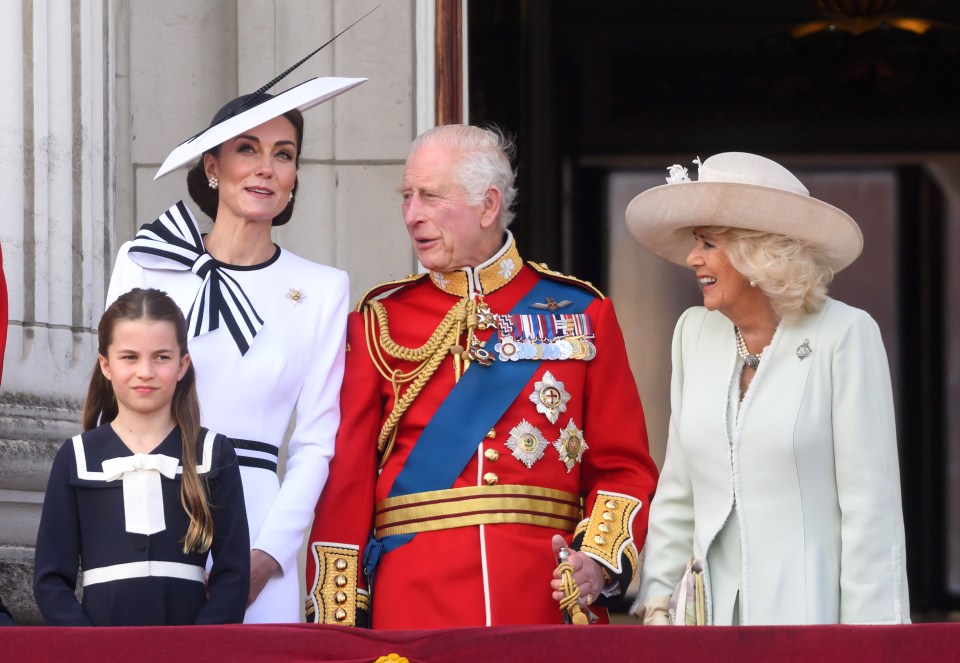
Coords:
256,461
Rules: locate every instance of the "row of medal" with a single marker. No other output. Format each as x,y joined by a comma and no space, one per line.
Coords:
559,336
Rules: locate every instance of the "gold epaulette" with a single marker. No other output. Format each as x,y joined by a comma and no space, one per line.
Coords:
542,269
378,290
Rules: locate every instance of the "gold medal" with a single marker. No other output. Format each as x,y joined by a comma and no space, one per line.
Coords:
578,350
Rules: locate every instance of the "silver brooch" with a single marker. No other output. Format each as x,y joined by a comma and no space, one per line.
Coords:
296,295
804,350
527,443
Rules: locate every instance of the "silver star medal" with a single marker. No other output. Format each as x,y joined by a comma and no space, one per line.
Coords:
571,445
527,443
550,397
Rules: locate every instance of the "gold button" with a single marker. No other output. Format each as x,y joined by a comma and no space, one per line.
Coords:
492,455
603,527
491,434
340,598
341,580
339,614
608,516
610,504
490,479
599,540
340,564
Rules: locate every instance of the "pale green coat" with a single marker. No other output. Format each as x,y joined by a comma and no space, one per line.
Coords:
811,460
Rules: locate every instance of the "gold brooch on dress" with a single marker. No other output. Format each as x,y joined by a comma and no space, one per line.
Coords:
296,295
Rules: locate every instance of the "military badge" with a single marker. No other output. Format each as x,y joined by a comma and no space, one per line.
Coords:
551,304
571,445
527,443
507,349
506,267
476,352
550,397
441,280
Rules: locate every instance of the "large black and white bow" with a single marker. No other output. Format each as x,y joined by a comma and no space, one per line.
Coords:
173,241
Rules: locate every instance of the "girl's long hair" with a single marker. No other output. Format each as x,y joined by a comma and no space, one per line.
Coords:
101,404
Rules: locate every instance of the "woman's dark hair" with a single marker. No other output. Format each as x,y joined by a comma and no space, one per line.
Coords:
209,199
101,404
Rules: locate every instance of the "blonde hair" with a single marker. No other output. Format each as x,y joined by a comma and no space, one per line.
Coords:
791,273
101,403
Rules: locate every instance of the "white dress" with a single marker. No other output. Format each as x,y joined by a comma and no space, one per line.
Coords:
296,359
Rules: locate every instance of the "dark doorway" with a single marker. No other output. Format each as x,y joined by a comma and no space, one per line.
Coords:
594,88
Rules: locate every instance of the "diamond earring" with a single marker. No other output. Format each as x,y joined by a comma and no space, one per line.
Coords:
213,182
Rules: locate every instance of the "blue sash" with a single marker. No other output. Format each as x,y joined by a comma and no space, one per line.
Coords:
472,407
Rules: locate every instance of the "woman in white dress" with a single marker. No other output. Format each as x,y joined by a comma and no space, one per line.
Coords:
781,475
267,327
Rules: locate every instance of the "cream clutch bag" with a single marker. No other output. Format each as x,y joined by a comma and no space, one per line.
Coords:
688,604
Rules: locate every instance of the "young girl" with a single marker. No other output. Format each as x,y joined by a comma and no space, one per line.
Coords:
139,500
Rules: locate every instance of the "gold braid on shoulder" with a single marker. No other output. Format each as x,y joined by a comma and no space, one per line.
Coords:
429,355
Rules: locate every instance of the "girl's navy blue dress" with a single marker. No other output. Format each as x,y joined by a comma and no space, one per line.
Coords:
137,579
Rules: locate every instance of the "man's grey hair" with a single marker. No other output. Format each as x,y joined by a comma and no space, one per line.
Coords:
484,162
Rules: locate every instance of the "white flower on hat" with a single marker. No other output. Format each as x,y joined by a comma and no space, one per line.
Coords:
676,174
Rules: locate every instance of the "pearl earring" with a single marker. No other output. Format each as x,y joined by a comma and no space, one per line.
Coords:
213,182
290,198
753,284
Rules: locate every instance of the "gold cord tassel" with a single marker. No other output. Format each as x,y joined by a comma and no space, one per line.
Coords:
430,355
571,599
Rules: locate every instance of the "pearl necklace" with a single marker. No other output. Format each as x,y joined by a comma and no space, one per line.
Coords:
750,360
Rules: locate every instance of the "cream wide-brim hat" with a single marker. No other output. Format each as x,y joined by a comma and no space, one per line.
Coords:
740,190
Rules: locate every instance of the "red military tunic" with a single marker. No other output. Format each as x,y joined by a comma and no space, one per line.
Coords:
468,574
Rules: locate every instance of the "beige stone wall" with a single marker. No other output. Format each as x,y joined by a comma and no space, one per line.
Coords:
108,88
184,59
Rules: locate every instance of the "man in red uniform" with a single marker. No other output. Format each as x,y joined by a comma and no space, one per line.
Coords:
489,419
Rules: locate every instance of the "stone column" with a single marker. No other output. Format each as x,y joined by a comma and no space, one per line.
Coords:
55,143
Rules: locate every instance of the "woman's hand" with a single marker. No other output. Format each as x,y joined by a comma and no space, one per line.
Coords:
586,572
262,568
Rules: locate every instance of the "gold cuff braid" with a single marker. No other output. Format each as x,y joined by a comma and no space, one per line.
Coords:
333,598
609,531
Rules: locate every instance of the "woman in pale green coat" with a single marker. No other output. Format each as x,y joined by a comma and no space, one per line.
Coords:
781,475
